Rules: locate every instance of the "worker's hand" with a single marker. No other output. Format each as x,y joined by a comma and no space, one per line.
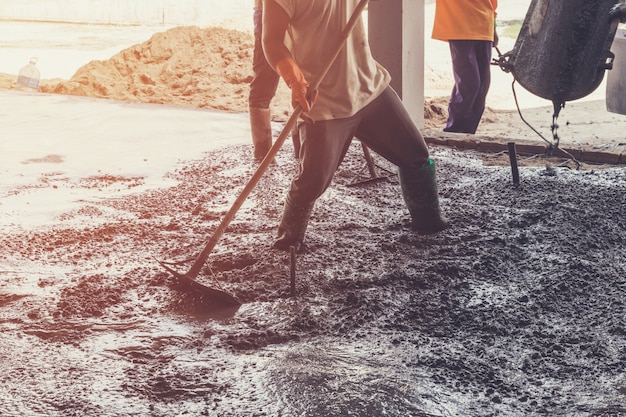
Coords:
293,76
618,11
496,38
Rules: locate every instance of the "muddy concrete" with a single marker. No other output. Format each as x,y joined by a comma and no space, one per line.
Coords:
516,310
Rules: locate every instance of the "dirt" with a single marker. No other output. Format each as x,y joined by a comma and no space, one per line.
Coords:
516,310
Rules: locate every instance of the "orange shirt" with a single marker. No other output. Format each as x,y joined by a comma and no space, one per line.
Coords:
464,19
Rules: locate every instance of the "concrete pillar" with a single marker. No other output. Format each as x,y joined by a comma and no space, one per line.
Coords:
396,34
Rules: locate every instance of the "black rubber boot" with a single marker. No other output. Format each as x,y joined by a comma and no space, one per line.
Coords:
419,189
261,127
293,226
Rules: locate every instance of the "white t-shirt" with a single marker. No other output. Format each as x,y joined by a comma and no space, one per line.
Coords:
355,78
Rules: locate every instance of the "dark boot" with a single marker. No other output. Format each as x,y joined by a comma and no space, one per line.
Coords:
293,225
419,189
261,127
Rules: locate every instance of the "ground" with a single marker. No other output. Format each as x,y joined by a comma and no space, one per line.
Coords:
517,309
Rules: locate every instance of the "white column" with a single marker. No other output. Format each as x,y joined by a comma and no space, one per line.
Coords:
396,34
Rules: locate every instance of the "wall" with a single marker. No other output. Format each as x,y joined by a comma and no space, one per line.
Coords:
151,12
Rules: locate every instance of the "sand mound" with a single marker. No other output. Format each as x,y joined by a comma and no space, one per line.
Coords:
207,68
435,112
186,66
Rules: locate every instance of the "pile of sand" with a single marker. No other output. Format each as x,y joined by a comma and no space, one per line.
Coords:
208,68
185,66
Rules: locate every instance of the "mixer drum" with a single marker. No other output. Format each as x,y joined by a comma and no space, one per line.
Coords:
563,48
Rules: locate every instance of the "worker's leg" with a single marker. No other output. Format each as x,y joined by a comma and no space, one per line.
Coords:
466,87
387,128
323,146
262,89
482,52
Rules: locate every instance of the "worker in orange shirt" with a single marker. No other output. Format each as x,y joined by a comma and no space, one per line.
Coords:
469,27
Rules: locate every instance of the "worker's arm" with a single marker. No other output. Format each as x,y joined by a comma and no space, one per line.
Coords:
275,22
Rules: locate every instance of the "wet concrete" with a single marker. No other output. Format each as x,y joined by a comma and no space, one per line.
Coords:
516,310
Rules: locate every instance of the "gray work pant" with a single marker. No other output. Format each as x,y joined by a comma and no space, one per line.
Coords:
384,126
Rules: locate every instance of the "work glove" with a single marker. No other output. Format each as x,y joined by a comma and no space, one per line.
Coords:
293,76
618,11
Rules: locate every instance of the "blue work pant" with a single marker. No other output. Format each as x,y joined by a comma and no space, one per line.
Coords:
471,64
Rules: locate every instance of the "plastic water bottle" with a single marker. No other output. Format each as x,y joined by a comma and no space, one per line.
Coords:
29,75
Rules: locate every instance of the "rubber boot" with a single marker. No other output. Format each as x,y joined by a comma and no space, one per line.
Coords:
261,127
419,189
293,226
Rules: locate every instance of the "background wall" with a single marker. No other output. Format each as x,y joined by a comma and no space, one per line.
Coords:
151,12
